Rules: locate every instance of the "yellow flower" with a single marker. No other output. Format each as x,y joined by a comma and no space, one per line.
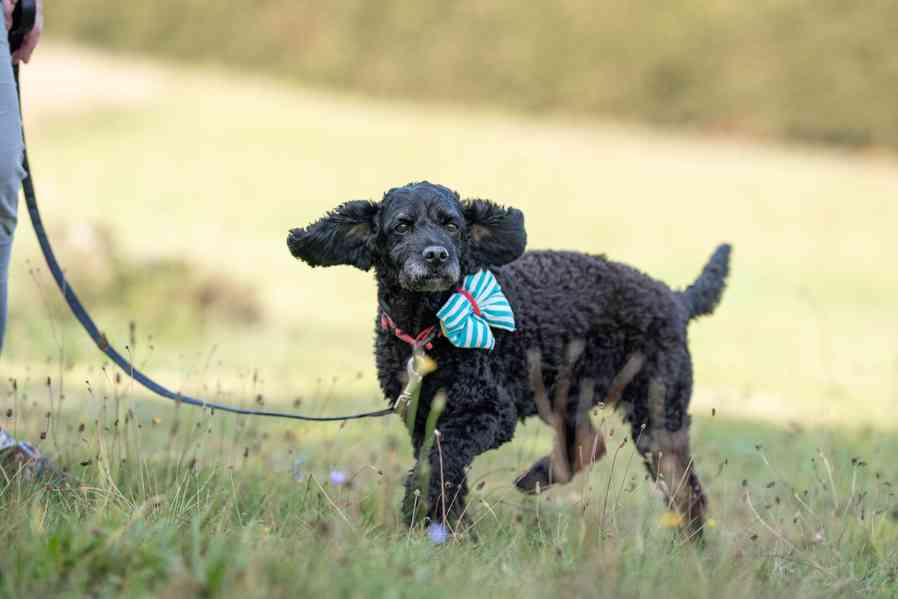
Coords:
670,520
424,364
711,523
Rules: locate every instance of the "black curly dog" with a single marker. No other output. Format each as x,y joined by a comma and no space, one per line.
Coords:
587,328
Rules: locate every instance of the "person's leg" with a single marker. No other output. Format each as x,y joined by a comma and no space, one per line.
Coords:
15,456
11,172
5,254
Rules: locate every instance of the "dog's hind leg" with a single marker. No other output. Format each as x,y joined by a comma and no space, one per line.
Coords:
555,467
668,459
578,444
561,464
582,445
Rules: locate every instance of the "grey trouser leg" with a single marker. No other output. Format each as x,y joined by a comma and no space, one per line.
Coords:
11,172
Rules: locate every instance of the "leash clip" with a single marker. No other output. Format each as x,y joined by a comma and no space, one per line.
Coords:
418,366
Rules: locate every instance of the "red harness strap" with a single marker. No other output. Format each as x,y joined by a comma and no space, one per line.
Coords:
426,336
470,298
423,339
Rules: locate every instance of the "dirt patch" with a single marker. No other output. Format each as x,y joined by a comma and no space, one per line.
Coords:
66,79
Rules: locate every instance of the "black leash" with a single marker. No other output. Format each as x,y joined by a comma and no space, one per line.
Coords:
84,317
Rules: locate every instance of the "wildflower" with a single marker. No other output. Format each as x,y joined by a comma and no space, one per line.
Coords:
437,533
670,520
297,469
338,477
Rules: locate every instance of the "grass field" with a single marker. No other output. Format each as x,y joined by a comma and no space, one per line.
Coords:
183,183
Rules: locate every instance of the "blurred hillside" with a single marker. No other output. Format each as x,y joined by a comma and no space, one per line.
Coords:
822,71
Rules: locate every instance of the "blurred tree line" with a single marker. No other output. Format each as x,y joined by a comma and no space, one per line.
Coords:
811,70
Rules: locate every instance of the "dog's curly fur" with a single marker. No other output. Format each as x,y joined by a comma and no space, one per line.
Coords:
628,331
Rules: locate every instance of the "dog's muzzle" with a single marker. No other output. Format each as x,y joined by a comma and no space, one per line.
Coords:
420,274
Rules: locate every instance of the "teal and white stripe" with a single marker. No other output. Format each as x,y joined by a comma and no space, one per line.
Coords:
462,326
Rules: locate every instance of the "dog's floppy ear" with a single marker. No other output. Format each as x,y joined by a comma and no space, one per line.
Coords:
344,236
496,234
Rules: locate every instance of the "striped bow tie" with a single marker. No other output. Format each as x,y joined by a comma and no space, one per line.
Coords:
475,307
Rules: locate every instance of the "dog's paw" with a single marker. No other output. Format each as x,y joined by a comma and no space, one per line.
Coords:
537,479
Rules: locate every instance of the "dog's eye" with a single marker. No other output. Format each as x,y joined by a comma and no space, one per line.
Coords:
452,227
402,228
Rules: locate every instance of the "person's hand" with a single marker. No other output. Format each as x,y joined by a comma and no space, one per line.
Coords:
8,5
23,54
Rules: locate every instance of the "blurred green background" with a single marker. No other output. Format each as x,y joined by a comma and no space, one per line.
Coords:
808,70
175,144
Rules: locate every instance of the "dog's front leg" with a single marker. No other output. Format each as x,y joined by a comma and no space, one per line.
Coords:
465,430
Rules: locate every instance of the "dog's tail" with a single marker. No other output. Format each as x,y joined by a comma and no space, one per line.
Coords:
702,297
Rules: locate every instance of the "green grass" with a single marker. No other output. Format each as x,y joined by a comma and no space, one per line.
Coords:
196,176
177,503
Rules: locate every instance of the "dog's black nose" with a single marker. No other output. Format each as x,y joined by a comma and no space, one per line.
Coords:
436,254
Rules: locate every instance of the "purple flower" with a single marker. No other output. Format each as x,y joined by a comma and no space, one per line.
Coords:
437,533
338,477
298,474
